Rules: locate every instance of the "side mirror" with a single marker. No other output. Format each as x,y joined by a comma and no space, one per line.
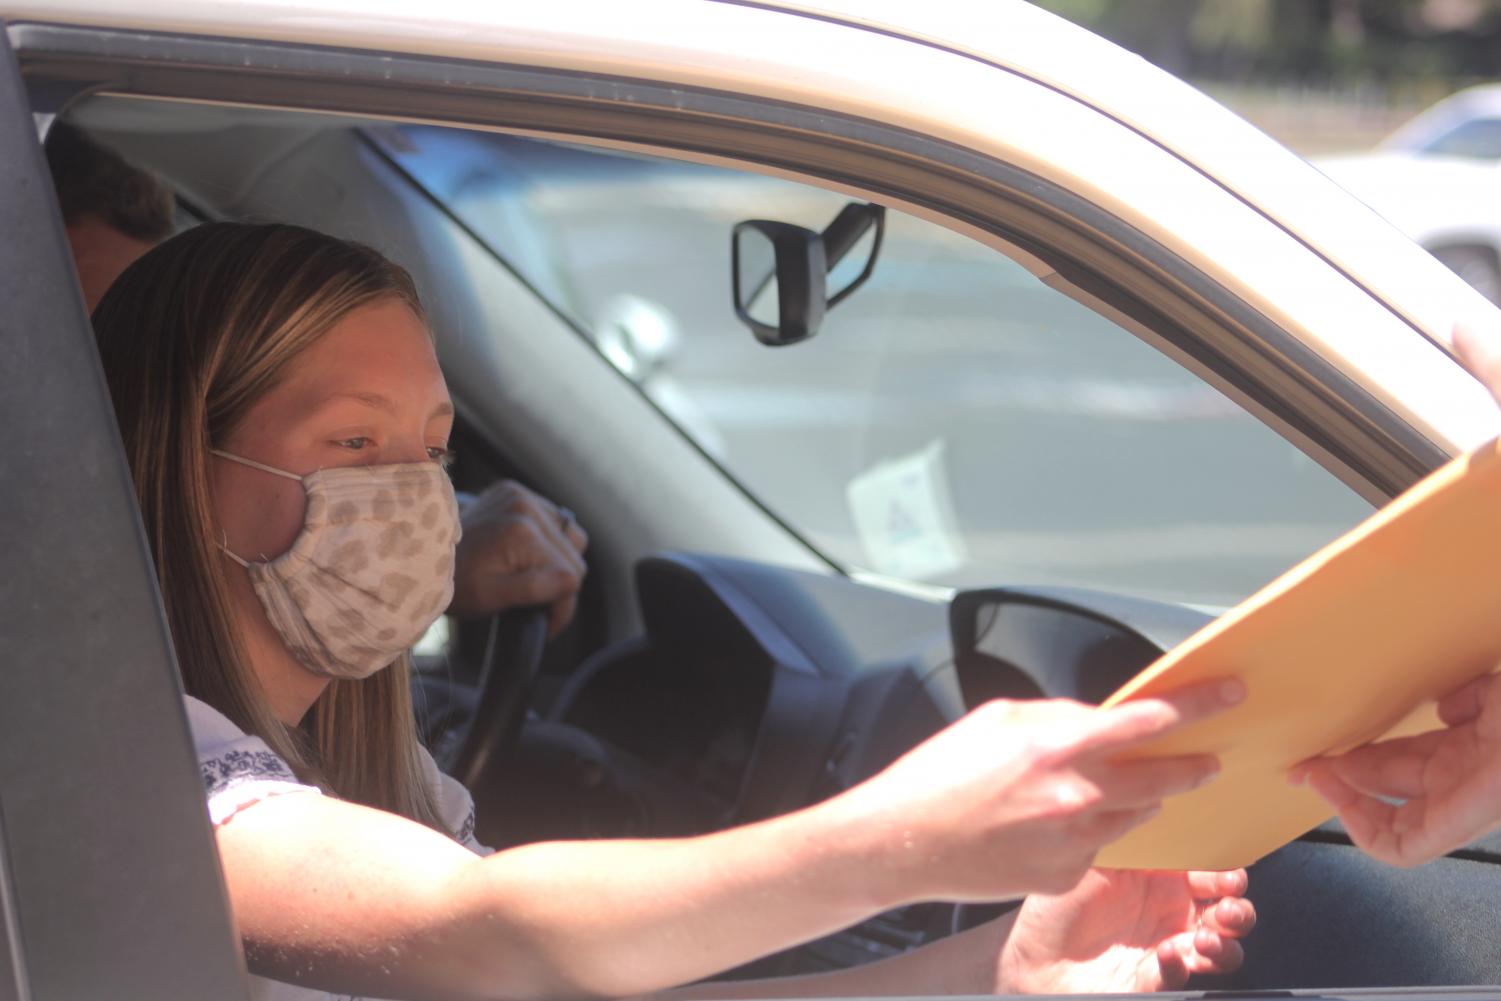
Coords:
1059,642
852,238
781,273
778,273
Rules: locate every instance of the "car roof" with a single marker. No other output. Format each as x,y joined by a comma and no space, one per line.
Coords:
654,37
762,52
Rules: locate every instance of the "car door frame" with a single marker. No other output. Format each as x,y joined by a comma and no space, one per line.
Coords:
1092,254
109,882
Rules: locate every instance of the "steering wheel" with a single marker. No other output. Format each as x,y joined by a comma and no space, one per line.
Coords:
508,672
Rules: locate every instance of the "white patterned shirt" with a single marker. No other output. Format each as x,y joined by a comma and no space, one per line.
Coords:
240,771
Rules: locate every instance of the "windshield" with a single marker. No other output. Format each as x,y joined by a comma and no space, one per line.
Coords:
956,421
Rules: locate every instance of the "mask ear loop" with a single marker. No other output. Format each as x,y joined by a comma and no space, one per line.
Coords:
224,541
254,465
224,545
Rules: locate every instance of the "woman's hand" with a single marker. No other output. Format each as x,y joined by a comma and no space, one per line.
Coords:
1449,782
1017,797
1123,931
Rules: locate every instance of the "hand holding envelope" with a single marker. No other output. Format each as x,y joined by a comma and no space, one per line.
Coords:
1341,651
1449,780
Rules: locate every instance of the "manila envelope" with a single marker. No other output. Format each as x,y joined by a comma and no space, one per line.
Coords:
1354,643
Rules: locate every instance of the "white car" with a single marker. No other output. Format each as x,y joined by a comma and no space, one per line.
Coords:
1121,359
1438,179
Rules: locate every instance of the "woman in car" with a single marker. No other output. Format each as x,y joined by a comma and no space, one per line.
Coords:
286,424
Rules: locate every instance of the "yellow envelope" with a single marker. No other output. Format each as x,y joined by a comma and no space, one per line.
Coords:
1355,642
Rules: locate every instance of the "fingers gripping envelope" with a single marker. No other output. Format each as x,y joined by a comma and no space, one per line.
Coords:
1354,643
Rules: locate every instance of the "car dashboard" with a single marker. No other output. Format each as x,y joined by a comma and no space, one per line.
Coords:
765,689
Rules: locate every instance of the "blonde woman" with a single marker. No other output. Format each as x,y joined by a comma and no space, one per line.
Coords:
286,423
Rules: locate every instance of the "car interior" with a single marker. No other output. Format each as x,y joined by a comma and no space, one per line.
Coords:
738,651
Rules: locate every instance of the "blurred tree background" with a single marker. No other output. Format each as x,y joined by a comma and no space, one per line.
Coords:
1318,74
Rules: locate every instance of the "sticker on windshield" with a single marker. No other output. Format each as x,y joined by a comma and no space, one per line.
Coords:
905,517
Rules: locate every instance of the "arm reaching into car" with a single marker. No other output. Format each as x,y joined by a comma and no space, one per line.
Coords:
1447,782
1013,798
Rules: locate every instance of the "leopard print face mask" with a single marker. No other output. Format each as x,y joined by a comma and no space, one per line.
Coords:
371,569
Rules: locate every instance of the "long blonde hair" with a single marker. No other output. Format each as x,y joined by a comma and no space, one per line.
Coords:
191,336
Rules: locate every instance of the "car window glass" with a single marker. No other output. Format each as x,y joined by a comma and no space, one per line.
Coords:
1479,139
955,421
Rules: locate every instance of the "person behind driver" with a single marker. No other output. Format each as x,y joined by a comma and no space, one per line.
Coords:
519,549
286,424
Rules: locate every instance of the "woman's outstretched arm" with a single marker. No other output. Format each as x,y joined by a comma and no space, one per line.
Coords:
1014,798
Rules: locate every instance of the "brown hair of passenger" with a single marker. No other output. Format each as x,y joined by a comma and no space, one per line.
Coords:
113,211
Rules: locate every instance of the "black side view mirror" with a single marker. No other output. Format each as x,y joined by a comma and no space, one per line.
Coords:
780,273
